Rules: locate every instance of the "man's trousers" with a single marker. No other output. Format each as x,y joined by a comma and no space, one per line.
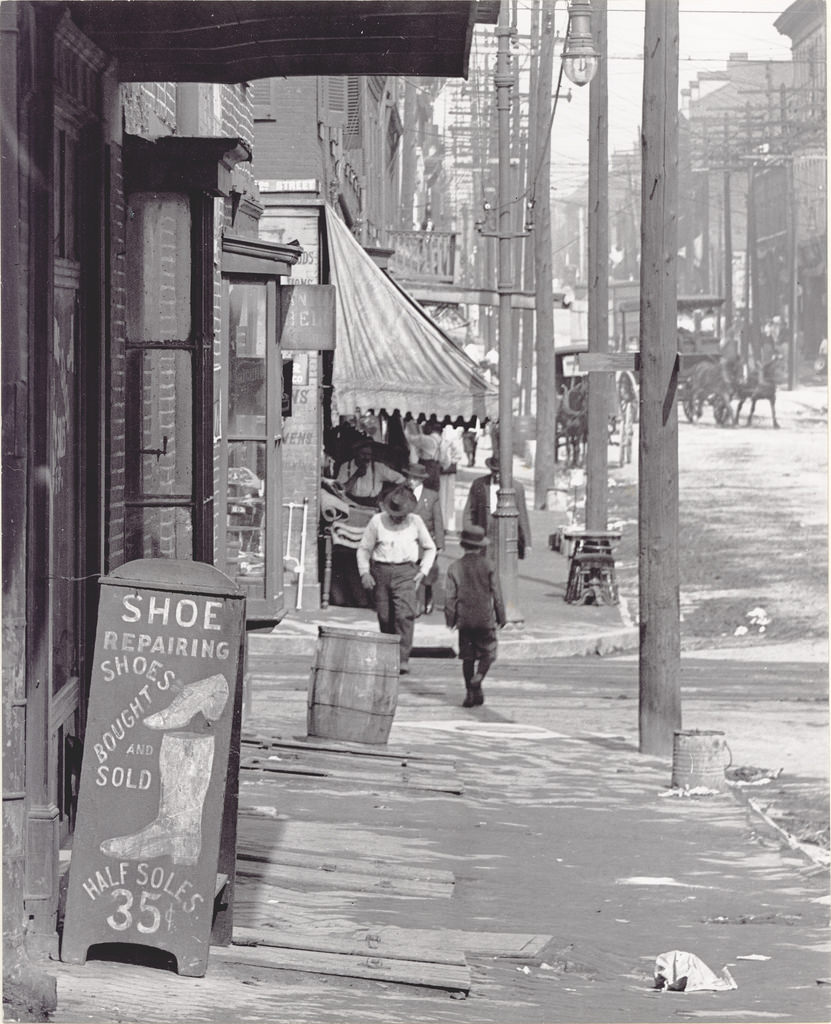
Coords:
395,603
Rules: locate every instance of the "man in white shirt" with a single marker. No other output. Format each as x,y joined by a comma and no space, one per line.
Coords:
362,478
395,554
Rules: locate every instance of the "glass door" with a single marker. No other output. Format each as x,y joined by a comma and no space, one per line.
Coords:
249,532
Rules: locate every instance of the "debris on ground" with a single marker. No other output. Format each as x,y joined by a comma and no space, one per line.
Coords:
759,618
687,791
679,971
751,776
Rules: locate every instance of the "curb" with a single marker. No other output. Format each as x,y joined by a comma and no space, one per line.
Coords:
816,855
610,642
521,649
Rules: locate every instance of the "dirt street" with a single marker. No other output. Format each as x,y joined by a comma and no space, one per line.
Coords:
753,528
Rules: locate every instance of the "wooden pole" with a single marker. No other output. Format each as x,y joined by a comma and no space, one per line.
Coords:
597,453
660,641
528,274
544,299
506,513
728,233
793,289
755,303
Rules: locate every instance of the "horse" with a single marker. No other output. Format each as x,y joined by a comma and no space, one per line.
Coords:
573,421
716,383
760,384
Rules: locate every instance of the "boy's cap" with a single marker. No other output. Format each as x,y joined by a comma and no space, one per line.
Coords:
473,537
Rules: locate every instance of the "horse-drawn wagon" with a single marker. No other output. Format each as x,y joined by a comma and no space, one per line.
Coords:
702,377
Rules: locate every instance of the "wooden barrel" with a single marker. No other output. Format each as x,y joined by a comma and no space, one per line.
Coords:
353,688
699,758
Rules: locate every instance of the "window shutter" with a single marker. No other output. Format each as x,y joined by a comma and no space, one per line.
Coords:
337,100
352,134
263,100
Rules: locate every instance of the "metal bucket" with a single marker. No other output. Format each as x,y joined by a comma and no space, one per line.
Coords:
700,758
353,688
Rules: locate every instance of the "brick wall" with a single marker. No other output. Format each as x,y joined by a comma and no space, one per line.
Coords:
149,108
288,146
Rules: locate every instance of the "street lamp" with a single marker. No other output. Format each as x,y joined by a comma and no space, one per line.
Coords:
580,58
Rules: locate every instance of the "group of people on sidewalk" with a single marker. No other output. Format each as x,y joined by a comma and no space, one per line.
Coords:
397,560
440,448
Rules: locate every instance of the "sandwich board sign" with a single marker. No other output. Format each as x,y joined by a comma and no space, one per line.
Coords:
155,832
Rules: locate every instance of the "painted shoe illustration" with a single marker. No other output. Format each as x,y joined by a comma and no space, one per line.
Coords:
185,763
209,695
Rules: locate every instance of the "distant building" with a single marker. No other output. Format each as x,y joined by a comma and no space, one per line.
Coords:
804,22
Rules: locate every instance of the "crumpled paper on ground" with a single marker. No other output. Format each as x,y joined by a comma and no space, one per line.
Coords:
678,971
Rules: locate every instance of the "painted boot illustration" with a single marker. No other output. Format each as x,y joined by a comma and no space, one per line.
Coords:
185,763
209,695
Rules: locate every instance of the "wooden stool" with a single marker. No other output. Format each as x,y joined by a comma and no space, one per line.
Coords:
591,573
591,579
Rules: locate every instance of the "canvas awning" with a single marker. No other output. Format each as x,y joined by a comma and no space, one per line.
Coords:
388,352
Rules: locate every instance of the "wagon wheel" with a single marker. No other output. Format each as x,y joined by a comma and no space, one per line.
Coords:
722,411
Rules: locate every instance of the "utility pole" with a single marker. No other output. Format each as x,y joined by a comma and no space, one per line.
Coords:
728,233
528,271
546,361
753,269
597,449
506,508
704,200
750,293
793,259
660,638
518,148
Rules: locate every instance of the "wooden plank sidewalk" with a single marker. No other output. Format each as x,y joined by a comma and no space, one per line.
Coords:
347,763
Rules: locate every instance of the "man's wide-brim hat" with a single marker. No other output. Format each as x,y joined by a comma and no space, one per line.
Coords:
400,501
492,463
416,471
474,537
362,442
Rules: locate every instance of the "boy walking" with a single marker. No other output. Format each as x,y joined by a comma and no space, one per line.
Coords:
473,602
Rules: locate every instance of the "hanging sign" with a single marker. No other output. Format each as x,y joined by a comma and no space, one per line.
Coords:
308,317
156,824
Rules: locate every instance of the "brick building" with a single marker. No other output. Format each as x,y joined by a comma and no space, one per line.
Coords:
141,360
804,22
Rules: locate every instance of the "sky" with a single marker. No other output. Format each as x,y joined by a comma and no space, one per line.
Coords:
709,31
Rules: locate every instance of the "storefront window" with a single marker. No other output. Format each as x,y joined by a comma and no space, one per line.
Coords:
159,532
245,530
160,379
160,423
159,267
247,343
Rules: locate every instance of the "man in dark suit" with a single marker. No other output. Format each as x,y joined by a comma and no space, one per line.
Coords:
481,503
429,508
